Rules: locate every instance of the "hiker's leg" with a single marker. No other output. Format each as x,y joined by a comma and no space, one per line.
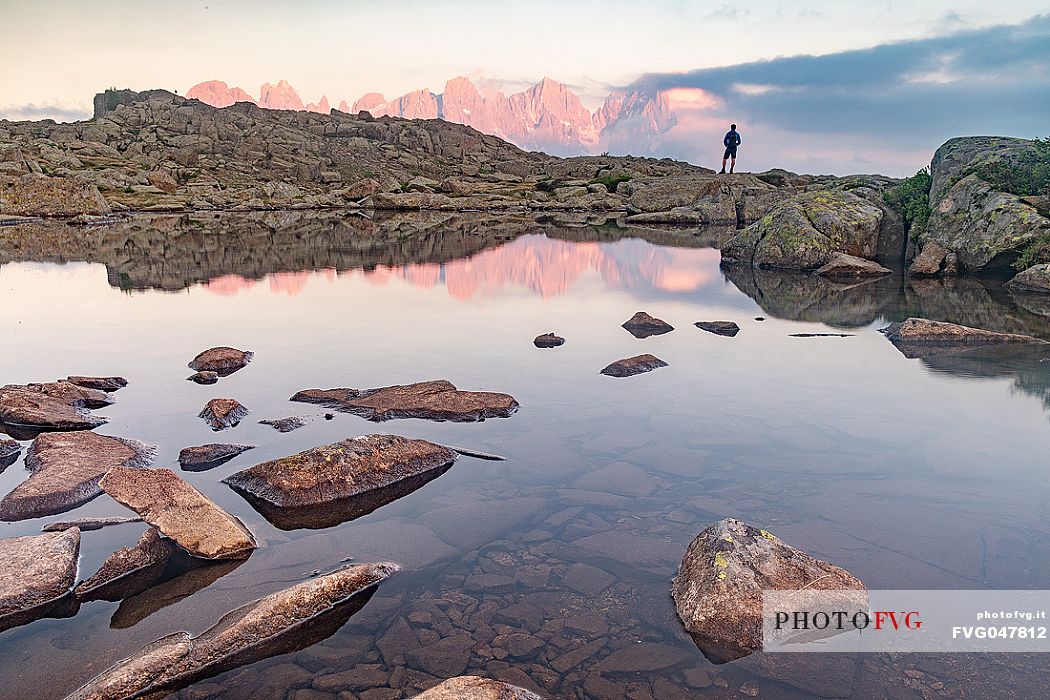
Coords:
724,164
732,164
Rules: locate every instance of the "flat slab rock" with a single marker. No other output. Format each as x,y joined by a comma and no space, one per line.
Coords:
223,413
920,337
718,589
642,325
476,688
435,400
66,470
628,367
203,457
101,383
222,360
52,406
129,570
286,621
180,512
726,328
548,340
87,524
843,265
36,574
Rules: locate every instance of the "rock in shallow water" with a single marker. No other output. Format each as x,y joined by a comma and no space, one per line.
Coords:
66,470
129,569
726,328
435,400
86,524
180,512
1034,279
100,383
718,589
548,340
285,425
631,366
642,325
286,621
52,406
203,457
842,265
223,413
9,451
222,360
920,337
476,688
36,575
203,377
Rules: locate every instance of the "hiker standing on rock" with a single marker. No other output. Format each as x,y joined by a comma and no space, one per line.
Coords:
730,141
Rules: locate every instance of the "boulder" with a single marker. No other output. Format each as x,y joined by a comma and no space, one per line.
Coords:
284,425
920,337
642,325
223,413
1034,279
66,470
362,188
222,360
804,231
726,328
934,259
203,457
100,383
54,406
36,575
435,400
9,451
842,265
163,181
476,688
280,623
180,512
548,340
36,195
86,524
204,377
341,481
718,588
631,366
129,570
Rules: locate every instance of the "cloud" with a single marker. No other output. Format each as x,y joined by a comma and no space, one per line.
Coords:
31,111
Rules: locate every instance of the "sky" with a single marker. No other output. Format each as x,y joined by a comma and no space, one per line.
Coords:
343,49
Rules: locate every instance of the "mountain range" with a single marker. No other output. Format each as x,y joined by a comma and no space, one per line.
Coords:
547,116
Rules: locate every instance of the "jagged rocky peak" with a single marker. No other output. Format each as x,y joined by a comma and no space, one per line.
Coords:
218,94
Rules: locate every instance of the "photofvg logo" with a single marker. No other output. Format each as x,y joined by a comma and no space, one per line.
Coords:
905,621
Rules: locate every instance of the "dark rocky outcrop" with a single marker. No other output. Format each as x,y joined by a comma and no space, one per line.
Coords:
203,377
920,337
204,457
66,470
631,366
548,340
476,688
53,406
718,589
129,569
180,512
642,325
285,425
100,383
436,400
37,574
282,622
842,265
222,360
223,413
726,328
1035,279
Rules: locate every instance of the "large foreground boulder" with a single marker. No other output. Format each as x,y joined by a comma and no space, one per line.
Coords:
36,575
129,569
630,366
435,400
66,470
920,337
180,512
222,360
282,622
804,231
52,406
476,688
718,589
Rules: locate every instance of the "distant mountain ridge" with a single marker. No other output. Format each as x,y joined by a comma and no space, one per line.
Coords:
548,116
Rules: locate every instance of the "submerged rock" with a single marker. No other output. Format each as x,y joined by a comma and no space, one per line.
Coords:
642,325
204,377
129,569
100,383
53,406
548,340
282,622
920,337
66,469
223,413
183,577
9,451
222,360
631,366
285,425
842,265
36,575
334,483
203,457
1034,279
436,400
718,589
86,524
726,328
180,512
476,688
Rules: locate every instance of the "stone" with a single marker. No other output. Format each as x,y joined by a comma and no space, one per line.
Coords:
100,383
642,325
642,658
586,579
476,688
87,524
920,337
571,659
9,451
548,340
930,261
718,588
434,400
284,425
204,377
1035,279
163,181
180,512
203,457
726,328
631,366
54,406
448,655
36,575
842,265
66,470
333,483
223,413
37,195
129,569
288,620
222,360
